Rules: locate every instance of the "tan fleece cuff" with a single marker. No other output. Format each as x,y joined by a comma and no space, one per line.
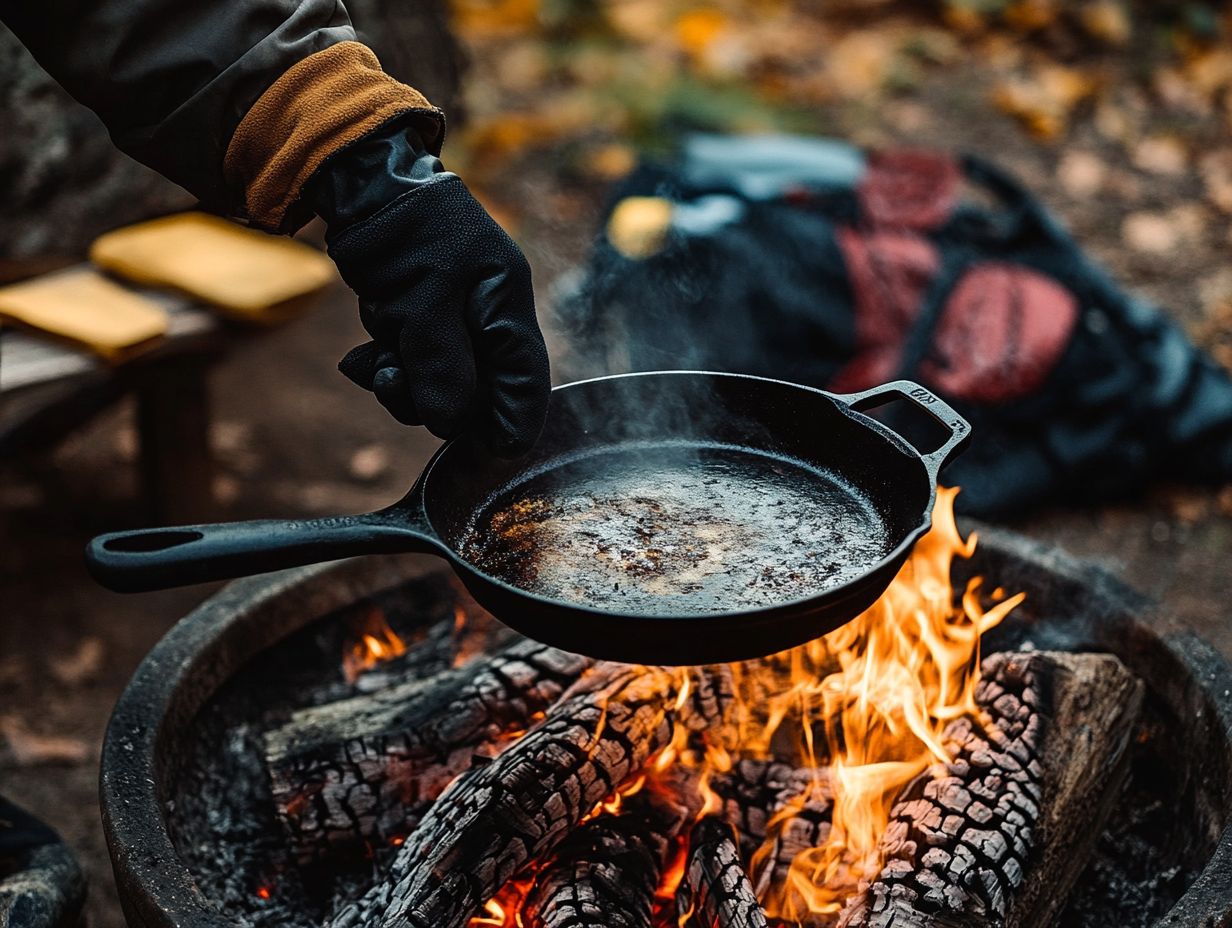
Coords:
319,106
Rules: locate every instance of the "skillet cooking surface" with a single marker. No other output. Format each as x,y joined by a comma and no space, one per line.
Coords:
677,528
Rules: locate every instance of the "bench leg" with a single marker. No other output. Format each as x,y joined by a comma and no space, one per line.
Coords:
173,421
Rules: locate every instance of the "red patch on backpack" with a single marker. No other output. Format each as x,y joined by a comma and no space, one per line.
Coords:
889,274
909,189
1000,334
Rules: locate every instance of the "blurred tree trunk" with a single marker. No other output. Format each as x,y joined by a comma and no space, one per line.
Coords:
62,182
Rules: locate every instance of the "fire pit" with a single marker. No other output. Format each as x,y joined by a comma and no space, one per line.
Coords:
272,757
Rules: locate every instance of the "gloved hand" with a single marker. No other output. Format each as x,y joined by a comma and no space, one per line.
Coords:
443,290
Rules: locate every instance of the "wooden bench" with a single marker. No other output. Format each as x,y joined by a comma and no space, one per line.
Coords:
47,390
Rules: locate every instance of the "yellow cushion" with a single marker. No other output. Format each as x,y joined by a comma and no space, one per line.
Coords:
243,273
86,309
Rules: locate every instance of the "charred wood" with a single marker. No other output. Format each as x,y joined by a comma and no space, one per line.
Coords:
753,792
494,819
715,891
801,820
363,770
960,849
605,873
1096,705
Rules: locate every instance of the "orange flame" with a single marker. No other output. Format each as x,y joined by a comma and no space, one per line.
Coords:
880,689
864,706
375,643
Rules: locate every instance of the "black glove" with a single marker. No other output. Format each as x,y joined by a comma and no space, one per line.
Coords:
443,291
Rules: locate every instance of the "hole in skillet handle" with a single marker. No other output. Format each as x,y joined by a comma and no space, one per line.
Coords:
937,436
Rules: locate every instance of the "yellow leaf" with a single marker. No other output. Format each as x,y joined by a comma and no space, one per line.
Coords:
1105,20
609,162
1210,70
859,63
697,29
1030,15
495,16
1043,101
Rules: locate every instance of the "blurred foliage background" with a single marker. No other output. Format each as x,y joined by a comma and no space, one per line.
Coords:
1118,113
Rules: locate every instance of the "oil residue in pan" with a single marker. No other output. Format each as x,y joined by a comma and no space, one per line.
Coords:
678,531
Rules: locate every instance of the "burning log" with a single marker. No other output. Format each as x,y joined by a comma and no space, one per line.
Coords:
604,874
365,769
753,792
801,821
715,891
1040,768
494,819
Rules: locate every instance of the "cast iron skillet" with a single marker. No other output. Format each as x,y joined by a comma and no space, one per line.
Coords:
610,422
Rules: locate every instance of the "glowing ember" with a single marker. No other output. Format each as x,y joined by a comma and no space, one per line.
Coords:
863,706
375,642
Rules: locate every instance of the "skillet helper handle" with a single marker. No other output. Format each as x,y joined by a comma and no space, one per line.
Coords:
159,558
935,406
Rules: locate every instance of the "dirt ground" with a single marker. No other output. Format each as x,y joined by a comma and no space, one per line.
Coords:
293,438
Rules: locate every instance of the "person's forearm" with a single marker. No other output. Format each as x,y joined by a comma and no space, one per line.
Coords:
174,80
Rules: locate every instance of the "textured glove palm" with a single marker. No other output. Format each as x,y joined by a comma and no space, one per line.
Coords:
446,296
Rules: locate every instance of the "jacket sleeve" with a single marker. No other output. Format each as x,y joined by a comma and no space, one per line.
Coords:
173,80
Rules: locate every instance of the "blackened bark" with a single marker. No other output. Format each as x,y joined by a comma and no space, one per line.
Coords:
366,769
604,874
715,891
496,818
960,849
801,820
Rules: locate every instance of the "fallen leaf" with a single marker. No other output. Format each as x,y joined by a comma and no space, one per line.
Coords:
1160,154
523,67
1216,170
1152,233
1031,15
964,18
1188,506
643,21
610,162
696,29
80,665
369,462
20,747
226,489
478,17
1043,99
1209,70
1105,20
859,63
1112,122
1190,220
1081,173
127,443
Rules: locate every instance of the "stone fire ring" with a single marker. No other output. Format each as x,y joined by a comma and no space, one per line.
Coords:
153,719
41,883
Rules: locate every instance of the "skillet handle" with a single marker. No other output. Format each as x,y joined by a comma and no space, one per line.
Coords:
935,406
158,558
